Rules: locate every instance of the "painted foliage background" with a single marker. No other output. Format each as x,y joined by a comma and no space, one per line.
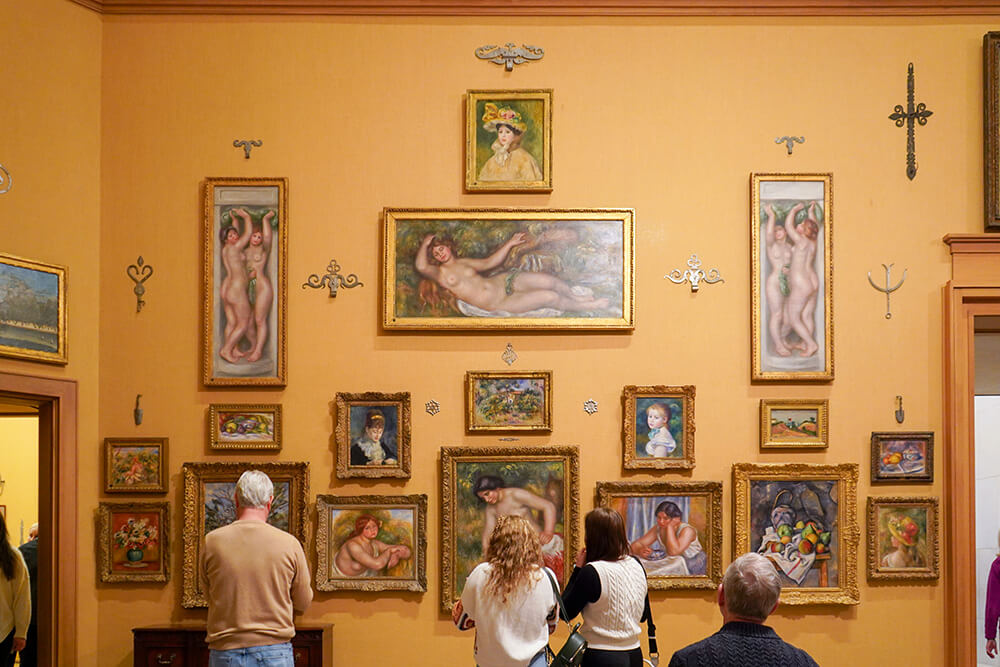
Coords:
676,425
509,401
919,517
396,528
532,114
29,308
136,466
220,507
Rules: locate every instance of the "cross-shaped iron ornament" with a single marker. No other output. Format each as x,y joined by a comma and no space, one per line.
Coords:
906,116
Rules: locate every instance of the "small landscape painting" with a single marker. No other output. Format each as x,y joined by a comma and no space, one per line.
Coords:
508,401
32,310
793,423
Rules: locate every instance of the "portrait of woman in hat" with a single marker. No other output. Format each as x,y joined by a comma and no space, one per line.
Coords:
510,161
904,534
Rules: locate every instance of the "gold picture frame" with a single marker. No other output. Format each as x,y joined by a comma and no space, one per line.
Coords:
670,444
508,141
771,500
991,130
244,426
33,324
551,476
903,538
133,542
136,465
246,218
794,423
401,523
791,299
540,269
700,507
217,482
357,456
508,401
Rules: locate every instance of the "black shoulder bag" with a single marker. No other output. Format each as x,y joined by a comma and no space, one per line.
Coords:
571,653
654,654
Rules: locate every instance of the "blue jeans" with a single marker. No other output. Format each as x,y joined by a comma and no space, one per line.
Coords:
275,655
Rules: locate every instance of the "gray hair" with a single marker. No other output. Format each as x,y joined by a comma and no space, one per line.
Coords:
751,586
254,489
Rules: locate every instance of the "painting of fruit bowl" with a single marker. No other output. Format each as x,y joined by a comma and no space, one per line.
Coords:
902,457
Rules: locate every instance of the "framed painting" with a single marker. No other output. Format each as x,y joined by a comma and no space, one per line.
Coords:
135,465
246,250
209,503
991,129
373,435
371,543
691,511
133,542
902,456
803,518
480,483
244,426
32,310
903,538
658,427
508,141
792,276
508,269
508,401
792,423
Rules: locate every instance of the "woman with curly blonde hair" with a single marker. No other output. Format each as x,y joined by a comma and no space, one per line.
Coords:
508,598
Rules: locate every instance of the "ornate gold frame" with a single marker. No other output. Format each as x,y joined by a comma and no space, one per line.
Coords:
325,582
161,484
401,400
432,219
822,407
569,456
473,123
875,570
104,549
210,288
848,533
607,492
758,263
195,476
215,440
629,396
61,355
470,402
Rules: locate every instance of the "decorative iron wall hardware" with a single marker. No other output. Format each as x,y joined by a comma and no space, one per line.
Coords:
906,116
139,273
887,289
789,142
332,279
509,55
247,145
694,274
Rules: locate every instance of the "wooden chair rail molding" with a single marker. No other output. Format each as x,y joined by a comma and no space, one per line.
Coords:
552,7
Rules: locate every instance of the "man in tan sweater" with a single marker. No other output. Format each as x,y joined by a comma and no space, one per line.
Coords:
255,577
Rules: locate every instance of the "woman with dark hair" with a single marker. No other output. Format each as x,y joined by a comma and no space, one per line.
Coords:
609,588
15,598
672,538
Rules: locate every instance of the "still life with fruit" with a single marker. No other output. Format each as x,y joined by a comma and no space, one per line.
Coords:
794,524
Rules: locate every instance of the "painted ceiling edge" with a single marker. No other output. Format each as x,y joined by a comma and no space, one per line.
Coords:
550,7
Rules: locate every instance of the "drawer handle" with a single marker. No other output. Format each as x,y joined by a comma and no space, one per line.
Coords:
298,657
168,661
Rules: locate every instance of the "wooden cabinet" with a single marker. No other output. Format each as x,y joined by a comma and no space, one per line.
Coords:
184,646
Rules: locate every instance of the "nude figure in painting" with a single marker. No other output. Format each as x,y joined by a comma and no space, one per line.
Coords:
776,288
803,282
260,284
233,288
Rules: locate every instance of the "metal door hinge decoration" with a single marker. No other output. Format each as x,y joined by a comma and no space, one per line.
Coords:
432,407
509,439
137,412
509,355
247,145
887,289
509,55
590,406
900,415
906,117
789,142
139,273
6,182
333,279
694,274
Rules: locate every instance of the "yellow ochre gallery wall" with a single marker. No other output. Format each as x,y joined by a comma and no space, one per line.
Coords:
116,122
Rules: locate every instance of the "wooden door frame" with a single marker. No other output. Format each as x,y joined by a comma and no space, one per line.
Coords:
56,402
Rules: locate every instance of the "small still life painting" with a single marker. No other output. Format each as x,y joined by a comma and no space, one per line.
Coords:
673,528
373,434
508,141
235,426
133,542
902,538
803,518
371,543
793,423
508,401
658,426
902,456
135,465
32,310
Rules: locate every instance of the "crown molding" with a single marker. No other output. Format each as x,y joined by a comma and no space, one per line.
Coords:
550,7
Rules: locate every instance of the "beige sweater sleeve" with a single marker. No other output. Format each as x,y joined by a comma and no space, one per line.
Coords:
22,598
302,592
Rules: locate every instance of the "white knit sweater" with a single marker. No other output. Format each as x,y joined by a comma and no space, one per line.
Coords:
612,623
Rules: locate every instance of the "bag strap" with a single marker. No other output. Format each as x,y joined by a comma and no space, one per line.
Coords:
555,591
654,654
